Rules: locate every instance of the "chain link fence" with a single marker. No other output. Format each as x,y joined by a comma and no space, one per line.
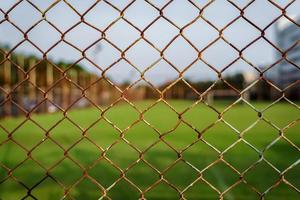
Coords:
85,143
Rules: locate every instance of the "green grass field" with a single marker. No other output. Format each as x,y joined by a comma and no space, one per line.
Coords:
194,163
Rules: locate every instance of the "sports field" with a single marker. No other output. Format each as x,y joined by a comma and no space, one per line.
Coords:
181,165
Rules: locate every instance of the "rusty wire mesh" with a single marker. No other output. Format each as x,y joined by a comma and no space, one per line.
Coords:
161,97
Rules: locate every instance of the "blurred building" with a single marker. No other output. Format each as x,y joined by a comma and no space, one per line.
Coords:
284,73
288,34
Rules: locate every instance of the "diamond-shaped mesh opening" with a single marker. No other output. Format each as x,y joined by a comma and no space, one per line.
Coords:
160,156
250,55
36,135
268,17
139,8
104,173
283,148
141,135
274,113
150,99
86,188
281,189
283,67
65,133
200,28
218,49
220,130
261,134
9,5
63,90
62,22
187,174
123,161
168,122
60,171
59,49
182,134
171,53
81,8
11,159
142,55
51,121
236,72
103,20
179,17
12,108
15,34
200,155
233,116
81,153
43,5
240,190
113,115
201,189
26,178
125,40
122,73
179,90
291,134
109,54
92,117
120,5
135,174
242,152
30,16
222,96
44,28
103,134
292,176
223,18
155,37
123,189
8,193
241,26
84,42
194,72
284,47
49,186
162,190
291,8
220,176
161,75
265,170
42,150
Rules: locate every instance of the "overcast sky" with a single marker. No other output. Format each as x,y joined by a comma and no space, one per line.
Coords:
180,53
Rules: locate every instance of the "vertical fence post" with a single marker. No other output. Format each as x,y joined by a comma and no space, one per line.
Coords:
99,90
87,78
94,88
20,77
79,81
210,97
32,85
65,93
49,83
7,84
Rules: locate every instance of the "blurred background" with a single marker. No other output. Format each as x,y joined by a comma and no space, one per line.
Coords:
149,99
100,45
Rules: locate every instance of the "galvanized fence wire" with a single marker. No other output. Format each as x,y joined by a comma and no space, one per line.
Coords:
122,133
